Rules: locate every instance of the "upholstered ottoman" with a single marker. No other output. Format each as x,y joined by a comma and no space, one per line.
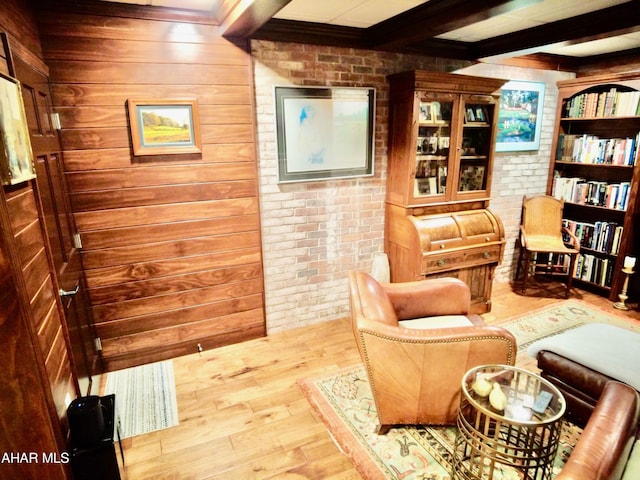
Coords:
580,362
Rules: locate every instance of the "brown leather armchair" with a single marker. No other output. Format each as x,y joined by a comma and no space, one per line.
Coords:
604,447
415,373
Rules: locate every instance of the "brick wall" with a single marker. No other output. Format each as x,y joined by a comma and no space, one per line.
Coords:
315,232
516,174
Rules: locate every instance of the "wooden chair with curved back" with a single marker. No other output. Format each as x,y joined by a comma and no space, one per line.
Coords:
543,250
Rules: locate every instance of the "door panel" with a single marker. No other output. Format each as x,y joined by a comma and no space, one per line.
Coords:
52,191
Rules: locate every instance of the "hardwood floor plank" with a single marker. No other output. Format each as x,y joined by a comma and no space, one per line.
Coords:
243,415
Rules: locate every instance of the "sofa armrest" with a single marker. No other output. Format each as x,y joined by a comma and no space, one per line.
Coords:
429,298
604,446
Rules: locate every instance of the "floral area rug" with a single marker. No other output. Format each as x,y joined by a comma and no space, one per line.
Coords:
344,402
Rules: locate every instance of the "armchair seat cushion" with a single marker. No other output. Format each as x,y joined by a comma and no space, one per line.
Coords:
546,243
441,321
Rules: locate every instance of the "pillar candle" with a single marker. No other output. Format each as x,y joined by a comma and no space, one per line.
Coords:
629,262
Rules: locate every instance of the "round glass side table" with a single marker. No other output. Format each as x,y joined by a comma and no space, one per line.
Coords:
519,441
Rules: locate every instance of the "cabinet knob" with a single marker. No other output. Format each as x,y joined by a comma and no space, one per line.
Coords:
441,263
486,255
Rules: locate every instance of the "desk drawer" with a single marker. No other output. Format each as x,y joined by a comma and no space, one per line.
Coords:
440,262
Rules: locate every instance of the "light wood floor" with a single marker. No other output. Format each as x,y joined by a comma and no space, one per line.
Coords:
242,416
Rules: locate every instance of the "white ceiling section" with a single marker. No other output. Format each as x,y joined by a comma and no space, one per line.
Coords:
546,11
362,14
350,13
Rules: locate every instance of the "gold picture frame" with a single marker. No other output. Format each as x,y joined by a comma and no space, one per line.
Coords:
16,155
164,127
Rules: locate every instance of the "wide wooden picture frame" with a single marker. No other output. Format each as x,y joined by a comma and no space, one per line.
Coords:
324,133
16,155
164,127
520,116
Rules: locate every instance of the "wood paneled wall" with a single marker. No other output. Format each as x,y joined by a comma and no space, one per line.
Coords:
171,244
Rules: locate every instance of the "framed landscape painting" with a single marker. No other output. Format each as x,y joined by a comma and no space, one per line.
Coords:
520,117
324,133
162,127
16,156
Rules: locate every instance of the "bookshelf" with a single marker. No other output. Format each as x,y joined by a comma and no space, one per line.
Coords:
596,170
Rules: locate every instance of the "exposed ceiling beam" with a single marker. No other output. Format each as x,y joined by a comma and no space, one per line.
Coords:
249,15
625,60
619,19
542,61
279,30
434,18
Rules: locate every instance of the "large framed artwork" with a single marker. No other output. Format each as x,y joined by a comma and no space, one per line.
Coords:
324,133
520,117
163,127
16,156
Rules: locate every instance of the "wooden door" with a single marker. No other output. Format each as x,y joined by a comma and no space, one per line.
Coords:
60,226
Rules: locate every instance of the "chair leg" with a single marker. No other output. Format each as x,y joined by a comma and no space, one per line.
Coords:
527,257
519,264
570,275
384,429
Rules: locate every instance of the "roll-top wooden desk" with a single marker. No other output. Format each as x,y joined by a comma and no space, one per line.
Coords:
468,245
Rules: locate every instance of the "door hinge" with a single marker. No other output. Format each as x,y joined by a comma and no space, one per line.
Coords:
55,121
98,344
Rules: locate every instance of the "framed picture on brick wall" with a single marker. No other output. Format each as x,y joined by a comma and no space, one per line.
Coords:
324,133
520,117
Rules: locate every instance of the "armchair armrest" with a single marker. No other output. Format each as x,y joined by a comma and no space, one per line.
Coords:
604,446
523,237
429,298
446,335
574,242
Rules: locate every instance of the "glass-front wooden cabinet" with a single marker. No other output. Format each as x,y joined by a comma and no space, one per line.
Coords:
441,140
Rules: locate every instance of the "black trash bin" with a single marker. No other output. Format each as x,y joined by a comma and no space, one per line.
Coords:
86,420
91,445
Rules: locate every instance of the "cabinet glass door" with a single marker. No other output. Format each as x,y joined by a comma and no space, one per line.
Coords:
432,149
477,145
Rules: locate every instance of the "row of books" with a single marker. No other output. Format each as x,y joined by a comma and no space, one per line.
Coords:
610,103
595,150
592,192
600,236
590,268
